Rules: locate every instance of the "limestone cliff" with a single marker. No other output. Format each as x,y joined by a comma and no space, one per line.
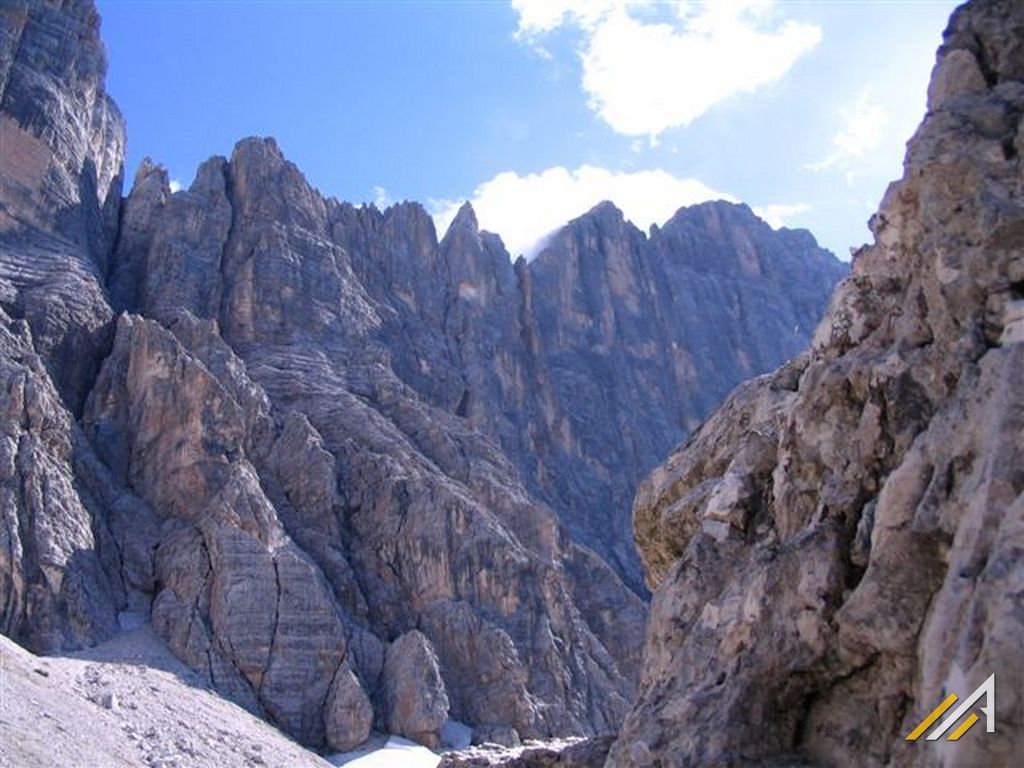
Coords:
634,339
839,547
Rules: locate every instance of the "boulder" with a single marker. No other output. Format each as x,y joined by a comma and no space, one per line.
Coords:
415,696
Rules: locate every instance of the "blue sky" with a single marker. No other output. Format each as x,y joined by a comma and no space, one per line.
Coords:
537,109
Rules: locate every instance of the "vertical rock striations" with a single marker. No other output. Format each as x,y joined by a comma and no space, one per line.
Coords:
839,546
634,339
590,363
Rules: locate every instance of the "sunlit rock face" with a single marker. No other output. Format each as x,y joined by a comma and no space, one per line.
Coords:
839,546
294,434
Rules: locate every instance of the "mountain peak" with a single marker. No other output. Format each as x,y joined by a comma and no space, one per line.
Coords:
605,211
465,219
253,149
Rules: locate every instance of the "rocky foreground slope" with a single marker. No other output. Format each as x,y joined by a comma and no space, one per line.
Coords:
841,545
128,702
345,469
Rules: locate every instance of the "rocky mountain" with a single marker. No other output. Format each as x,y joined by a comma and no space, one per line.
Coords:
839,547
355,477
588,364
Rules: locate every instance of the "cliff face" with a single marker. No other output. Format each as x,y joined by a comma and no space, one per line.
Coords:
839,546
321,450
60,188
635,339
590,363
320,503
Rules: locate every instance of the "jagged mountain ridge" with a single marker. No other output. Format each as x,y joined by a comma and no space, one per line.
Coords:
295,433
590,362
841,545
586,365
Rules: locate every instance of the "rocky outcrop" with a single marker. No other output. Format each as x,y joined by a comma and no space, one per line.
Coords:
838,547
581,753
588,364
634,339
258,413
54,585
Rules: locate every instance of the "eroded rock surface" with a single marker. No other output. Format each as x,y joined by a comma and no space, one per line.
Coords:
60,191
570,753
588,364
839,547
635,339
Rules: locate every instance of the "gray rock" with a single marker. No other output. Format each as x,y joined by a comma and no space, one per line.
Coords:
61,579
578,753
456,735
501,735
60,190
139,215
404,509
54,586
588,364
348,714
635,338
262,620
417,703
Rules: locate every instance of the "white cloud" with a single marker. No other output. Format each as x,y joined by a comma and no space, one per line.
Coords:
645,72
778,214
381,197
863,129
524,210
537,17
175,186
